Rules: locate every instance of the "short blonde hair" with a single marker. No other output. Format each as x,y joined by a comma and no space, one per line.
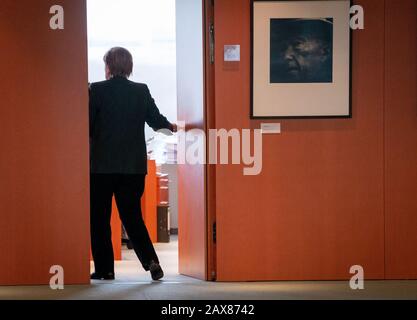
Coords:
119,61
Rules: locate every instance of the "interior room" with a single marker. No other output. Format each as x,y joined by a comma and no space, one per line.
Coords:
320,94
148,30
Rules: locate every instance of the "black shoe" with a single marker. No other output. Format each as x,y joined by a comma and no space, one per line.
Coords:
156,270
100,276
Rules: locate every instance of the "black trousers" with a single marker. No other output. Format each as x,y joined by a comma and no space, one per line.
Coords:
127,190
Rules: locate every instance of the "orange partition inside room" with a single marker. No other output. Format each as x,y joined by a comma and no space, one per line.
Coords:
148,202
116,232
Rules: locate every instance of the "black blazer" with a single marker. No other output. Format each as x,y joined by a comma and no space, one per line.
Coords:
119,109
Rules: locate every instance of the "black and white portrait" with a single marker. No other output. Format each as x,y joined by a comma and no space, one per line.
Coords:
300,59
301,50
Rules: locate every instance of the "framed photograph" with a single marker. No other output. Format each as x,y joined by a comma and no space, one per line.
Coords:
301,59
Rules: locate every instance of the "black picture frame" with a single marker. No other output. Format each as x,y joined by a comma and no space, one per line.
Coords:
349,115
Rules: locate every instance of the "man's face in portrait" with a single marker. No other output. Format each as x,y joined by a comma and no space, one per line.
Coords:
306,57
301,51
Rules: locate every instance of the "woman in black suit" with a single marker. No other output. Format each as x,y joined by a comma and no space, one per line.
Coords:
119,109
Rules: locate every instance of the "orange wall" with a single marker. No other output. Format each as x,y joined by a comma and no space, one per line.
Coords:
320,204
401,139
44,174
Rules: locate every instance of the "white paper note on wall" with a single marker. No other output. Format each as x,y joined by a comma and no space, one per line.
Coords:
271,128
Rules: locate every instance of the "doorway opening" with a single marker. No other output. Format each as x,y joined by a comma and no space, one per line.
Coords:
148,29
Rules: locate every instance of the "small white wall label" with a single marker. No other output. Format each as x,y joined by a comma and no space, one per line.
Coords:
271,128
232,53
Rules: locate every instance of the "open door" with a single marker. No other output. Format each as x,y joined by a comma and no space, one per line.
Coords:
192,214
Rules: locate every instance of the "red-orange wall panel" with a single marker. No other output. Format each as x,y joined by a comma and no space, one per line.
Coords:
401,139
44,162
317,207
